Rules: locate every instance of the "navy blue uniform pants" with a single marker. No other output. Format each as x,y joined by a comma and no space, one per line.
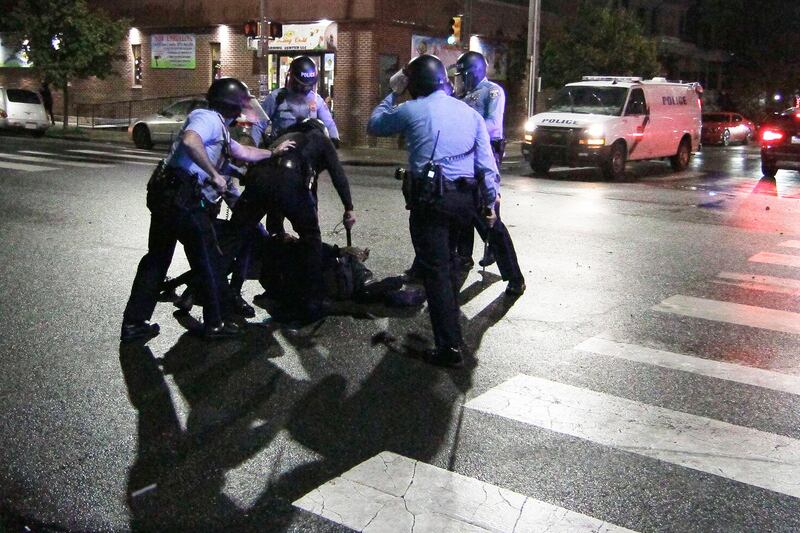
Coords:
283,194
193,229
432,228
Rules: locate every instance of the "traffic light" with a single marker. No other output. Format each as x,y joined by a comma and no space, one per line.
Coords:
251,28
455,30
275,30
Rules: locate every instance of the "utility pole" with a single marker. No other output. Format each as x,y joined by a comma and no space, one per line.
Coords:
263,50
466,26
534,13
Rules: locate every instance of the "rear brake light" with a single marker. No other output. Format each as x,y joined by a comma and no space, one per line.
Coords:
771,135
3,113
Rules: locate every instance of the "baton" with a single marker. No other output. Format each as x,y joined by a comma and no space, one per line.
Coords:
349,237
485,249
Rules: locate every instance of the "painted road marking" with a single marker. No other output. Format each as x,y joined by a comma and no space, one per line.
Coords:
49,160
390,492
122,156
743,315
790,244
23,166
777,259
82,158
696,365
760,283
734,452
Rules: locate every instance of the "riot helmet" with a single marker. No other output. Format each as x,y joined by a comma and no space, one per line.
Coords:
302,76
307,125
470,71
228,96
426,74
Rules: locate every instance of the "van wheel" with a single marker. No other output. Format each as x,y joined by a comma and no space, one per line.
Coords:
614,166
726,137
141,137
540,165
680,160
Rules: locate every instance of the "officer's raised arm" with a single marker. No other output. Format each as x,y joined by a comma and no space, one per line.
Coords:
387,118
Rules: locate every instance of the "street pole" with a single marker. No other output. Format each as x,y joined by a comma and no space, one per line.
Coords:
263,50
466,24
534,13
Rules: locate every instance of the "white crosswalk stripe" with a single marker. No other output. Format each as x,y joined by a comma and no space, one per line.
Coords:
117,155
777,259
28,168
733,313
35,159
739,453
66,157
390,492
790,244
760,283
696,365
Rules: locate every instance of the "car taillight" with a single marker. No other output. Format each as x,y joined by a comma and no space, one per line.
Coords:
3,113
771,135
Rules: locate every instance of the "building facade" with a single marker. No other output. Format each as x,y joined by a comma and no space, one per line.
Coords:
178,48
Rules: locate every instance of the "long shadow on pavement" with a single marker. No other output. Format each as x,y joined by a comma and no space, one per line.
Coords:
247,414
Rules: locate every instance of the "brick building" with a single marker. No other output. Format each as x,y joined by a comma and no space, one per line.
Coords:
179,47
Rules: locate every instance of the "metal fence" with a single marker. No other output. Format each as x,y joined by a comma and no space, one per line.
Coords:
123,113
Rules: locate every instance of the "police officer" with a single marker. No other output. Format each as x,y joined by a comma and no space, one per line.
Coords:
452,169
488,99
287,187
179,194
295,102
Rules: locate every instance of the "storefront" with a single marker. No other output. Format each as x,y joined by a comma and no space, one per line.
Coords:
317,40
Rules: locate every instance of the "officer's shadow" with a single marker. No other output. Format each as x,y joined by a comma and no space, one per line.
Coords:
238,400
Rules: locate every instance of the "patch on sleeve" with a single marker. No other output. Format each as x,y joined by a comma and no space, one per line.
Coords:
494,93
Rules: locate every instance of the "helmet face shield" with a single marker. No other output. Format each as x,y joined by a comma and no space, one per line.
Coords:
459,85
253,112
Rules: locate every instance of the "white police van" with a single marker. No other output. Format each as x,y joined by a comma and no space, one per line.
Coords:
605,121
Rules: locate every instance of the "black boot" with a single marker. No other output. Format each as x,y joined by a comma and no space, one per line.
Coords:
138,330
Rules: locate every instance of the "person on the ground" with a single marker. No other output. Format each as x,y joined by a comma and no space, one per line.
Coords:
191,179
287,187
452,173
488,99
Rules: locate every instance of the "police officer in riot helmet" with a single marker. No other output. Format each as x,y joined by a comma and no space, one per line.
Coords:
293,103
183,188
451,172
287,187
488,99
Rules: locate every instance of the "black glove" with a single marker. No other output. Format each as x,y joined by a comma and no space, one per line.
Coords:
336,142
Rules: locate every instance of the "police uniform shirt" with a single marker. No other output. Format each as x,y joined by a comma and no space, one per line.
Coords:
211,128
293,108
459,126
489,100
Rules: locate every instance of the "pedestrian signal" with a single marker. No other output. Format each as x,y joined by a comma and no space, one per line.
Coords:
251,28
455,30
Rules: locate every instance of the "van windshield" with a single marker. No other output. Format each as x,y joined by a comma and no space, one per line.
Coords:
591,100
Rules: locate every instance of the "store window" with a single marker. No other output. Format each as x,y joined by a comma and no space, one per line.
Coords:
136,50
216,61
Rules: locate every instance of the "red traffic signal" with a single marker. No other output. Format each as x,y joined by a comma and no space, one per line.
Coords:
251,28
275,30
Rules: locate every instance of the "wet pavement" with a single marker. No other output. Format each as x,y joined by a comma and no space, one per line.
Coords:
648,380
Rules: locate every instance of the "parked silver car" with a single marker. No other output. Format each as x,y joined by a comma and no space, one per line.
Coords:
22,109
163,126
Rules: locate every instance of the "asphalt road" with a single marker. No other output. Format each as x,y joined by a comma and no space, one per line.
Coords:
648,380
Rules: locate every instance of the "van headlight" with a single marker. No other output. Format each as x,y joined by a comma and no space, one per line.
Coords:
530,125
594,135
